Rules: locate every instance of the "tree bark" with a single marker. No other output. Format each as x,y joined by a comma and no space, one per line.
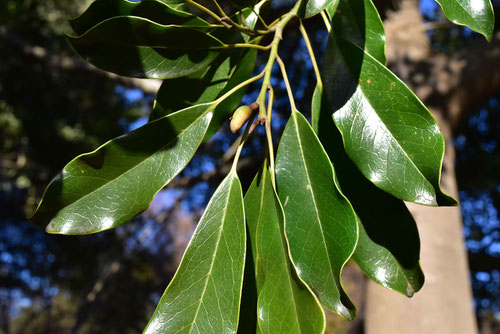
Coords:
444,305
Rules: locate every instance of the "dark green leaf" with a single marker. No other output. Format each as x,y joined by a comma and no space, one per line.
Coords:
285,304
137,47
310,8
387,131
358,21
248,309
153,10
204,295
179,93
320,223
332,8
108,187
241,4
388,248
475,14
385,265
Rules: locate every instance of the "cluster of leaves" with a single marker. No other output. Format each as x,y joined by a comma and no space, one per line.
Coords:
283,245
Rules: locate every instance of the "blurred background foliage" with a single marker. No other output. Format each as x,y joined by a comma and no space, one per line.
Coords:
54,107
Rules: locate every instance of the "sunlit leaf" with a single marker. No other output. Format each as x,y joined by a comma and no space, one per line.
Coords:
332,8
358,21
388,247
138,47
204,295
387,131
103,189
285,304
310,8
382,256
320,223
153,10
475,14
250,17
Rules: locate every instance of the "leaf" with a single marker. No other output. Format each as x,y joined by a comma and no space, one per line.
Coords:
155,11
332,8
309,8
241,4
138,47
320,223
358,21
100,190
475,14
387,132
250,16
179,93
204,295
248,309
384,265
285,304
389,247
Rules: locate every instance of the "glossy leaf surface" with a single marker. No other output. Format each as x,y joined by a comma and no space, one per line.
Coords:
359,22
180,93
153,10
250,16
332,8
320,223
309,8
103,189
475,14
204,295
387,131
138,47
390,267
285,304
388,247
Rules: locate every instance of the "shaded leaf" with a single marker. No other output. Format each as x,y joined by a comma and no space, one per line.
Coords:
387,131
103,189
358,21
241,4
475,14
138,47
309,8
218,79
248,310
285,304
388,247
153,10
204,295
320,223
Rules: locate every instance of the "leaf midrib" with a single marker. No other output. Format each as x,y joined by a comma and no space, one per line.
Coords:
284,255
135,166
380,119
215,253
312,192
467,14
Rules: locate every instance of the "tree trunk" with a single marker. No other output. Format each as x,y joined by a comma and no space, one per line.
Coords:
444,305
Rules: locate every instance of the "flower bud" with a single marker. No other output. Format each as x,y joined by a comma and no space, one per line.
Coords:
240,117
